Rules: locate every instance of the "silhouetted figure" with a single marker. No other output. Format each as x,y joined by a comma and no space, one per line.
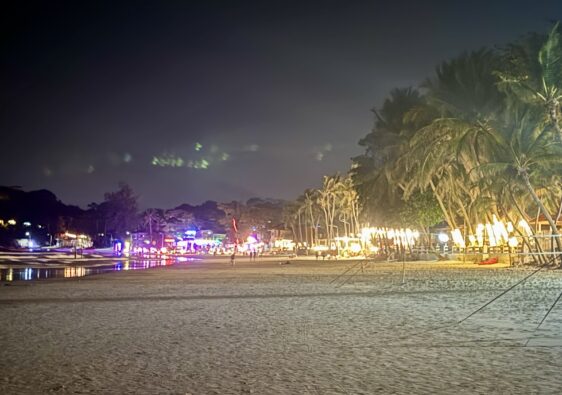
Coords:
233,258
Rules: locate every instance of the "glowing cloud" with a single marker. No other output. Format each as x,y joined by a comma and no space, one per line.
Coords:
320,152
198,164
168,160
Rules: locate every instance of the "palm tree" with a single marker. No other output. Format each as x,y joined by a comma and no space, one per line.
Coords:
484,138
527,150
534,73
377,175
327,203
151,218
312,213
348,206
465,96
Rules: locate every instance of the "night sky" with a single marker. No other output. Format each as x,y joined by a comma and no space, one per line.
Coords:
189,101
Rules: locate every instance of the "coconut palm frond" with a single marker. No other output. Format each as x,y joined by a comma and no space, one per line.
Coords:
550,58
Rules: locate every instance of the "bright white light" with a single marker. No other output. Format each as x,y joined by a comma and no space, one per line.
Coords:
523,224
457,238
355,248
443,237
500,231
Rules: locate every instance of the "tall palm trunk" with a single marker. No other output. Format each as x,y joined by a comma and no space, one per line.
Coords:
312,238
555,117
327,222
523,215
543,209
442,206
300,227
355,218
306,235
523,237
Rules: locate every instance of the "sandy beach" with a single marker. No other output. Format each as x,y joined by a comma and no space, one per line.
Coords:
268,328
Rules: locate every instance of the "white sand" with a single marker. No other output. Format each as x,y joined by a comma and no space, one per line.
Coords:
264,328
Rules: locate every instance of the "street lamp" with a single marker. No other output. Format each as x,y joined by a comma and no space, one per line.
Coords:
28,234
443,239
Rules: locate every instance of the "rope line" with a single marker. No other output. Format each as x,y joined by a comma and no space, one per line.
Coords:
345,271
500,295
544,318
350,277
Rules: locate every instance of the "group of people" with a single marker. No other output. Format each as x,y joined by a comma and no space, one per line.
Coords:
253,257
318,255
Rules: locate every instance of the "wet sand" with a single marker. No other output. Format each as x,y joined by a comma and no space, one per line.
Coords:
268,328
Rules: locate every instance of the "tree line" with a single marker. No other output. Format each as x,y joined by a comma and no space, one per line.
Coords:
479,138
118,215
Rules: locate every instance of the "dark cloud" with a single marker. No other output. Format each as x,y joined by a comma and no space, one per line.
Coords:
93,92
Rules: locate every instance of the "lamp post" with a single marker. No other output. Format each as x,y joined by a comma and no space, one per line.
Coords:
28,234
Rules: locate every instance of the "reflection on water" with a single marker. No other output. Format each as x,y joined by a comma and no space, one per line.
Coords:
76,271
39,273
